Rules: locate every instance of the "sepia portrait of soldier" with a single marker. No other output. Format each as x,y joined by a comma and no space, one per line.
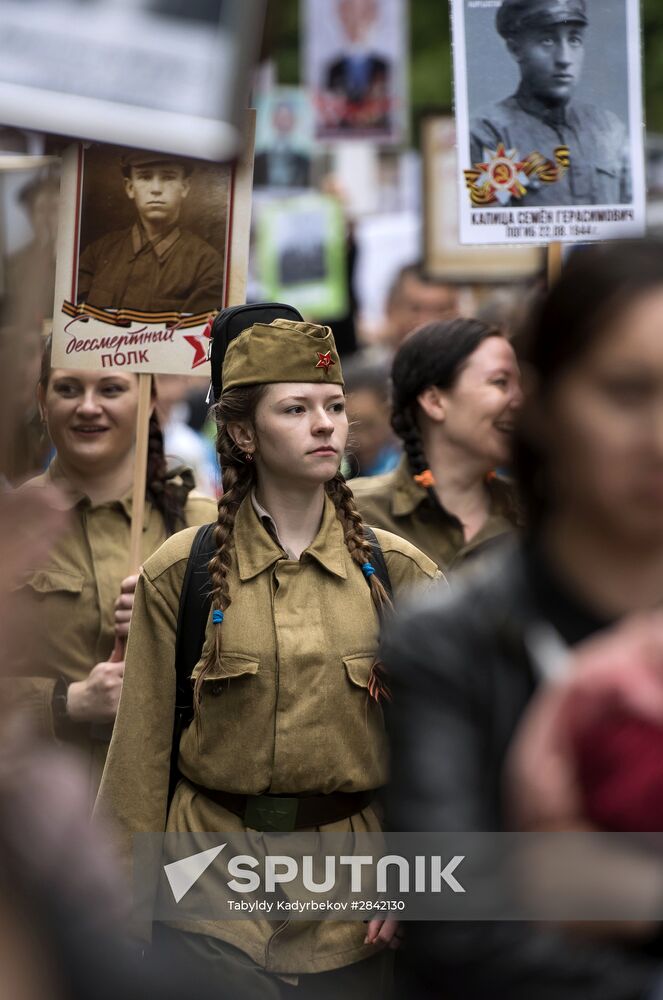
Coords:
547,39
155,264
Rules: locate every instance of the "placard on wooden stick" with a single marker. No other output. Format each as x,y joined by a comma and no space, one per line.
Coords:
150,246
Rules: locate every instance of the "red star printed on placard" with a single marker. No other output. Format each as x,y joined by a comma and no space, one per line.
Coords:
200,343
325,361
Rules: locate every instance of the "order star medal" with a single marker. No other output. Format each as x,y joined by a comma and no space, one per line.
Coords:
502,174
325,361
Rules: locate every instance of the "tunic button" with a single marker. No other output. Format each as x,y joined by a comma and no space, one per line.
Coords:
216,688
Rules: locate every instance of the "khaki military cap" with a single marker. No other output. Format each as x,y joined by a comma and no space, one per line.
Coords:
282,351
146,159
519,15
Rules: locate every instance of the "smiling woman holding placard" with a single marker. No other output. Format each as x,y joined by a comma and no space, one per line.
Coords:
80,599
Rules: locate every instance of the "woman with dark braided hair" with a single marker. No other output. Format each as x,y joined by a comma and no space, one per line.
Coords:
81,598
288,690
456,389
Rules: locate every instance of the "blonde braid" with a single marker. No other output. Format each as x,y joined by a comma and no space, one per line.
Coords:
361,553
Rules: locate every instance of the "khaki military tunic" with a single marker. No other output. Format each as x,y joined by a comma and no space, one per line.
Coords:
177,273
287,712
395,502
69,602
599,170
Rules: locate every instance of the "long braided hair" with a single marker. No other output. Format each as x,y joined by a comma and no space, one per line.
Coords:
238,405
167,495
435,354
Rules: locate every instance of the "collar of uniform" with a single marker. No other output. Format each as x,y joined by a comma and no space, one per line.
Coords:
269,523
257,550
407,495
557,114
160,246
75,497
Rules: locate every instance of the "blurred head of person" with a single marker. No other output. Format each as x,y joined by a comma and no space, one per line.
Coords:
372,444
456,390
589,446
357,18
41,198
90,418
284,119
416,298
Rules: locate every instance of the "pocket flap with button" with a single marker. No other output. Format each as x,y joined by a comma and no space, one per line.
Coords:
48,581
359,667
232,665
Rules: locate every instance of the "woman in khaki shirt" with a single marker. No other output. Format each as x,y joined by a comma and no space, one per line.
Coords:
287,689
79,600
456,389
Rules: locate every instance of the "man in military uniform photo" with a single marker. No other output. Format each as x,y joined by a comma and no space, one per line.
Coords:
155,265
547,40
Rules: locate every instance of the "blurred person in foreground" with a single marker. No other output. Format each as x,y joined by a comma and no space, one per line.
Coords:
80,597
414,298
456,391
373,448
470,673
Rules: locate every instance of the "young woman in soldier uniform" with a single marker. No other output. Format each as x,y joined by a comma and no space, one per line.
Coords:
287,689
456,389
80,599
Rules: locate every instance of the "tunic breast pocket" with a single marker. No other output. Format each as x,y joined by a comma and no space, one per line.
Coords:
45,582
607,178
219,679
358,668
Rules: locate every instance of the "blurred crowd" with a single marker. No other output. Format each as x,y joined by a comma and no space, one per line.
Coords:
506,442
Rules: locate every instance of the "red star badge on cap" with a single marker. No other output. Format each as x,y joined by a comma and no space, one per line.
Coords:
325,361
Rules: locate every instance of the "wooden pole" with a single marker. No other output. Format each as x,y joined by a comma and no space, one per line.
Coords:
140,471
554,263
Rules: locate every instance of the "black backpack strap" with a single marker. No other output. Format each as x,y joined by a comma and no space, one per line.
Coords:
379,562
195,601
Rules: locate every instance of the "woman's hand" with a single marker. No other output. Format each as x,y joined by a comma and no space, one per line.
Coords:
124,606
620,668
96,698
386,932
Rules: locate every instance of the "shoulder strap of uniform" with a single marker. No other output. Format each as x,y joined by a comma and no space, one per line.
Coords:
195,600
379,561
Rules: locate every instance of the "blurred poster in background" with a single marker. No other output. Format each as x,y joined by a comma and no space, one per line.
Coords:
301,254
170,75
29,200
284,139
355,64
444,256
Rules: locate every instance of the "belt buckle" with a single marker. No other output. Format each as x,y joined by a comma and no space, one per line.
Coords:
271,814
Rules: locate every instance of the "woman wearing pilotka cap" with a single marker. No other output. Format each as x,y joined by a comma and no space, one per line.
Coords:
288,690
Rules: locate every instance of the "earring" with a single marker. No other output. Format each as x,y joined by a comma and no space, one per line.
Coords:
248,456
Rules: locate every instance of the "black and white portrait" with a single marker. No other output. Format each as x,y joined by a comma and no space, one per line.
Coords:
549,112
153,234
149,247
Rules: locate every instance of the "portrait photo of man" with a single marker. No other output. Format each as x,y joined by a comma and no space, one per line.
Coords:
360,77
548,41
282,161
154,263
